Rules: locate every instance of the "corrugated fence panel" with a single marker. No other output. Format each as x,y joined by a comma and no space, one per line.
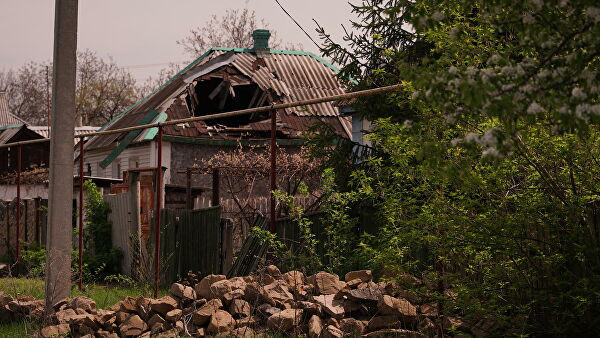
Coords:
124,226
190,241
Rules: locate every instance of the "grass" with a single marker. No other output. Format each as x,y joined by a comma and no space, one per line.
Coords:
104,295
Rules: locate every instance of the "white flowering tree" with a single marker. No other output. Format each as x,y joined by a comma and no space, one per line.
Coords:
489,180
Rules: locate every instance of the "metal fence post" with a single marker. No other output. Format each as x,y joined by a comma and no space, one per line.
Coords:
157,213
81,213
272,226
18,245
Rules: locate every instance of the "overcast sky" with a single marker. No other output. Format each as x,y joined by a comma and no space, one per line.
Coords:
141,34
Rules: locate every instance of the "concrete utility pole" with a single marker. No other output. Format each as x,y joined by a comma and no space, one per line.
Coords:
60,197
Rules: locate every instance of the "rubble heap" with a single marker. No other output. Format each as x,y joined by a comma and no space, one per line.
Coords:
318,305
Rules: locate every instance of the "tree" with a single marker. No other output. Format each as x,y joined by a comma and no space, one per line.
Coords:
233,29
486,178
103,90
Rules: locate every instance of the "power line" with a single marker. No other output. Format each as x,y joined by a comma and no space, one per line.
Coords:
297,24
152,65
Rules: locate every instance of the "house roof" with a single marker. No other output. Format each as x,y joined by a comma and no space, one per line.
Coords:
287,76
17,132
6,118
43,130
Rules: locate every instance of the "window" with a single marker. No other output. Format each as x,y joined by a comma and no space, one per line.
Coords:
116,169
134,162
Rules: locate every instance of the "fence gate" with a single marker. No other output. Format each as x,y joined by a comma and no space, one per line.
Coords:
191,240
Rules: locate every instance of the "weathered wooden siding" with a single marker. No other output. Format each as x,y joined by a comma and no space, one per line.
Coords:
141,154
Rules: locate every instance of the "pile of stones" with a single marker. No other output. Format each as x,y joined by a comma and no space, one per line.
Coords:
271,301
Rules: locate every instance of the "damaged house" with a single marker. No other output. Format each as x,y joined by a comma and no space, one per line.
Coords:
221,80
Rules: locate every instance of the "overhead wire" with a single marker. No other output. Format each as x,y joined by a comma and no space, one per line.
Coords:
298,24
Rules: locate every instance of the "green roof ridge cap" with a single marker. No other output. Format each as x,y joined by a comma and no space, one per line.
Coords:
11,126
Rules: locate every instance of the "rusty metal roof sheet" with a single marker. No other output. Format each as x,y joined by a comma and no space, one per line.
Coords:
6,118
290,75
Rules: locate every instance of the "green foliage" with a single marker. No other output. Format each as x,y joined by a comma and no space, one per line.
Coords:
100,257
302,255
486,174
33,259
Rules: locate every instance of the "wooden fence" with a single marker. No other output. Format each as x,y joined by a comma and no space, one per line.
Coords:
32,225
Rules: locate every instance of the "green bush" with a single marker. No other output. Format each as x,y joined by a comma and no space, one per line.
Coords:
100,256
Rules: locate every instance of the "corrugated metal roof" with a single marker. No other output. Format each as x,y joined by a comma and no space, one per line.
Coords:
6,118
7,134
43,130
292,76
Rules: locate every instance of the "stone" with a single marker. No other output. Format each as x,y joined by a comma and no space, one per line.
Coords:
334,322
273,271
203,287
366,295
230,296
264,279
129,304
244,331
315,326
240,308
55,330
238,283
104,316
279,292
256,294
203,315
267,310
388,288
285,320
172,333
326,283
133,326
122,316
333,307
163,305
84,303
221,321
427,326
80,312
384,322
389,305
155,319
173,315
86,319
64,316
5,299
185,293
251,321
293,278
353,284
61,304
106,334
310,308
429,310
453,322
395,333
32,308
333,331
352,326
145,335
363,275
220,288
